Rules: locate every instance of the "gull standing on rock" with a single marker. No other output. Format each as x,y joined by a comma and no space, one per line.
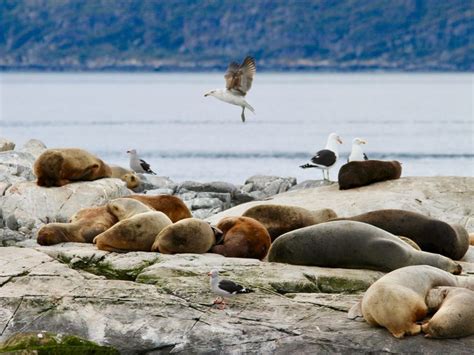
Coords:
139,165
224,288
238,80
327,157
357,154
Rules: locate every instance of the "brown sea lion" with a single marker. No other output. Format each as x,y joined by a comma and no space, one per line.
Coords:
172,206
128,176
280,219
190,235
432,235
82,227
58,167
362,173
350,244
455,313
471,238
124,208
243,237
136,233
396,301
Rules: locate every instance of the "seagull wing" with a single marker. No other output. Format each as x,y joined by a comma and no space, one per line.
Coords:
146,166
232,287
324,157
239,78
366,157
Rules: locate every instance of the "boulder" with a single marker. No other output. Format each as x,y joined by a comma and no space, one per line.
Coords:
6,145
215,186
34,147
152,182
14,167
268,185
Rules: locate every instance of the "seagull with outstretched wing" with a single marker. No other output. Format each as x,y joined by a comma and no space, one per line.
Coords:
238,80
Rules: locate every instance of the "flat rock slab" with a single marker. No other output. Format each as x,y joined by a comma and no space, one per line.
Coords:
450,199
169,305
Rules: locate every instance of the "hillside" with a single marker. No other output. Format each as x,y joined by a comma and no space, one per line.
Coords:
408,35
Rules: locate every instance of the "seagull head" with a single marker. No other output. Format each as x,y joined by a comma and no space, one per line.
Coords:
359,141
210,93
213,273
335,137
132,151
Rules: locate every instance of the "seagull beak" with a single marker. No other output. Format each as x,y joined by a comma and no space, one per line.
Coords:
363,141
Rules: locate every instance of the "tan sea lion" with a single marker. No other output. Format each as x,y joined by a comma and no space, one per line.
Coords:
82,227
124,208
128,176
58,167
362,173
455,313
396,301
350,244
243,237
190,235
430,234
172,206
471,238
136,233
280,219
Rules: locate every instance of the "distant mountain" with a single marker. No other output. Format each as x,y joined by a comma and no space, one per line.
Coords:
330,35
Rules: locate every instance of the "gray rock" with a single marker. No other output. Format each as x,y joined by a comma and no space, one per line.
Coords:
34,147
151,182
207,203
268,185
242,197
215,186
309,184
153,303
187,195
162,191
16,166
6,145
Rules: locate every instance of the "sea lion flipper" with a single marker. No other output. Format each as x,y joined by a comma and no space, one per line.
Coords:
355,313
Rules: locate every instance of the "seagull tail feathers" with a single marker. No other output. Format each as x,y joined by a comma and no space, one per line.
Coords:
247,105
306,166
246,290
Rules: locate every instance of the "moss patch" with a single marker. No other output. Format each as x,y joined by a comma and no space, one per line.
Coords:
50,343
321,284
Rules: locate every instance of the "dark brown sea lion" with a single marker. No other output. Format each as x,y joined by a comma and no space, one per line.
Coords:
362,173
172,206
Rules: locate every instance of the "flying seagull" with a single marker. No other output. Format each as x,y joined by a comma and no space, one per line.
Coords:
238,81
224,288
357,154
327,157
139,165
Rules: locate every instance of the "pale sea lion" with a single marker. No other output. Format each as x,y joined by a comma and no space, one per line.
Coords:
455,313
430,234
136,233
350,244
82,227
280,219
124,208
128,176
190,235
396,301
410,242
58,167
362,173
243,237
172,206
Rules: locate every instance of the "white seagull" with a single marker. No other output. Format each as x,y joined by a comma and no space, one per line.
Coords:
238,81
224,288
327,157
139,165
357,154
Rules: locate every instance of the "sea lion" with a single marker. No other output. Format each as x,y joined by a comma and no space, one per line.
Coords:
190,235
136,233
58,167
280,219
350,244
243,237
82,227
172,206
362,173
410,242
471,238
455,313
128,176
396,301
430,234
124,208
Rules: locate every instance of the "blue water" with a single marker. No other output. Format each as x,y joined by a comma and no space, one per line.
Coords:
423,120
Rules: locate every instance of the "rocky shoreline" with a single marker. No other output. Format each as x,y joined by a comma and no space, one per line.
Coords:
150,303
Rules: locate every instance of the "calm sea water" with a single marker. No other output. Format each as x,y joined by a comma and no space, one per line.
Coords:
423,120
